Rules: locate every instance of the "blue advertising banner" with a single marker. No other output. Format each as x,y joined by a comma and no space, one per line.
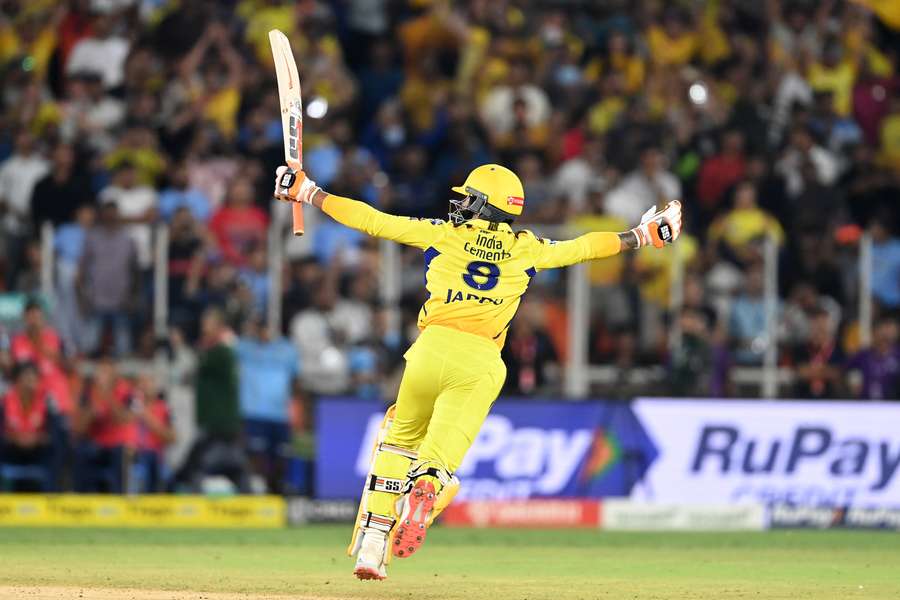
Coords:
525,449
791,453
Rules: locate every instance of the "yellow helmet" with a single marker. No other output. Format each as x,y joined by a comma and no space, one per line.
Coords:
492,192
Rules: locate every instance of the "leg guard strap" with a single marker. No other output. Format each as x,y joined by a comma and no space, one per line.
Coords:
379,522
410,454
370,520
390,485
423,469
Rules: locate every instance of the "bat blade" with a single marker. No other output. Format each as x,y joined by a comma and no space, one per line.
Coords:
291,110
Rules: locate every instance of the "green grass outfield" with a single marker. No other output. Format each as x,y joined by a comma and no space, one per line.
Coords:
309,562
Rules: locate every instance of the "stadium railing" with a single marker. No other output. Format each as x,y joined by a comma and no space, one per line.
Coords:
579,374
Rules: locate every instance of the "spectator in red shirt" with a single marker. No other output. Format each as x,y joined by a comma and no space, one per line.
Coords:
106,426
721,171
155,431
39,343
25,414
872,95
240,225
74,27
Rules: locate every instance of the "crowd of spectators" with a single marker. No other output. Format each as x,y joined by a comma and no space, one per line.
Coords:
772,120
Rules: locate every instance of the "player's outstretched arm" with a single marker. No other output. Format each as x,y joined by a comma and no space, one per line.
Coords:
295,186
656,228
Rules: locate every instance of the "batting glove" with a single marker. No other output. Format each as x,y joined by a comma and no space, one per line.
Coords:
659,227
294,186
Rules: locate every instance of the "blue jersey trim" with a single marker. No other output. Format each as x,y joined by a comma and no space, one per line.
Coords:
531,272
430,254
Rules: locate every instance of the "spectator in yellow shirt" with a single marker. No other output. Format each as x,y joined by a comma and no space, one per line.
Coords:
605,113
139,147
602,273
623,59
620,58
423,93
264,15
217,95
890,137
714,46
887,11
436,28
30,40
744,224
835,73
674,42
325,74
654,270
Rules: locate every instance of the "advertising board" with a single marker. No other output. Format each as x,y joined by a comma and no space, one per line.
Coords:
772,452
525,449
82,510
655,450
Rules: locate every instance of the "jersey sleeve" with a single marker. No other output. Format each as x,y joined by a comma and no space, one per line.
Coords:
420,233
550,254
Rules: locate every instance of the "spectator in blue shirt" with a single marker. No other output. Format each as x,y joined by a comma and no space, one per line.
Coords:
324,160
179,193
256,277
885,264
747,324
268,370
69,245
379,81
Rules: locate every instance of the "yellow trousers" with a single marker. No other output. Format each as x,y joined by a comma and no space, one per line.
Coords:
451,380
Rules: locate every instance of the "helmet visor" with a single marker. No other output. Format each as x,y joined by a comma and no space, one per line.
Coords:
468,207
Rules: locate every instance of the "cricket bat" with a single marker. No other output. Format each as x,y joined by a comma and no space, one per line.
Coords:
291,111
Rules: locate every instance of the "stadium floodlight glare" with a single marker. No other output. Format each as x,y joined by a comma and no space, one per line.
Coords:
317,108
698,93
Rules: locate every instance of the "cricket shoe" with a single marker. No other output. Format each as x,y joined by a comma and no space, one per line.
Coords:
413,522
372,552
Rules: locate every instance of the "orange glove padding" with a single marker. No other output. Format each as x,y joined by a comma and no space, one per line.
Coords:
660,227
294,186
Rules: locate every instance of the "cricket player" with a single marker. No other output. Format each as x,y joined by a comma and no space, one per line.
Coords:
476,270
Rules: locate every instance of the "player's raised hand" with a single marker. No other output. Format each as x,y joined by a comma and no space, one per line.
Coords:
294,186
659,227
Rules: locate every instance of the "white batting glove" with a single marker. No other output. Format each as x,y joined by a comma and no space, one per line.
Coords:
659,227
294,186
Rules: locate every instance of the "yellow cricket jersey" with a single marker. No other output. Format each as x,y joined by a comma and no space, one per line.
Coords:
475,273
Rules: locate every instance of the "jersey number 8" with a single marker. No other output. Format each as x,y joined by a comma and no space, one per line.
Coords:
488,272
